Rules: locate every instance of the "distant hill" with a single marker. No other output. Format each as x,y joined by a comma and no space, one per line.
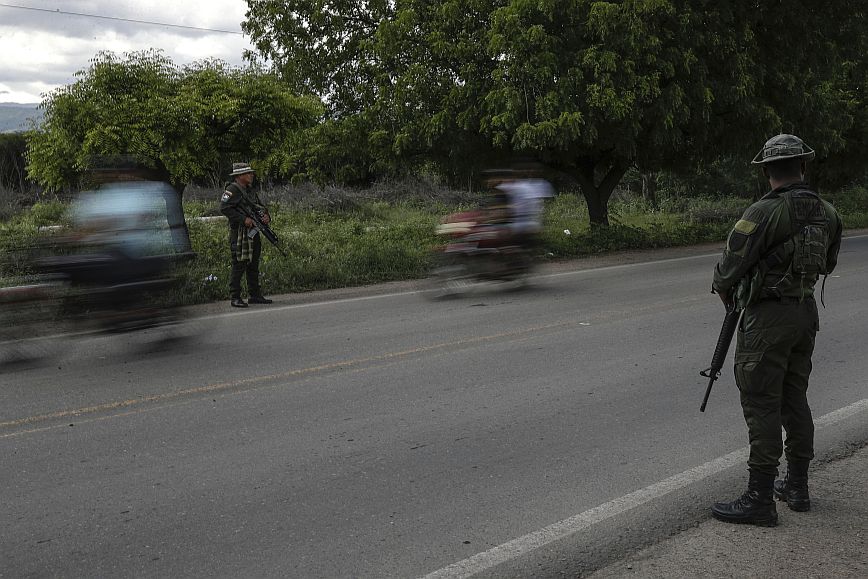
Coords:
14,117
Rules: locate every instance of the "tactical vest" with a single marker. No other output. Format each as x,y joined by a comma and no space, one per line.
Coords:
800,260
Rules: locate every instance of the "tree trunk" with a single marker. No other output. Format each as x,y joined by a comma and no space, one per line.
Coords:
597,194
598,208
814,175
174,208
649,189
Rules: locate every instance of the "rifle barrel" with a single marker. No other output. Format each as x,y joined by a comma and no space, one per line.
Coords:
730,323
707,393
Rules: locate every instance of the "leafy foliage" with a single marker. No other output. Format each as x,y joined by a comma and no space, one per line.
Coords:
323,48
590,87
188,123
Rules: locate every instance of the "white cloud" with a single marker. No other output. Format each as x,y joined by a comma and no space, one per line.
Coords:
24,94
40,51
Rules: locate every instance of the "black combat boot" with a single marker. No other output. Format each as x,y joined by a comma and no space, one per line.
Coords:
794,487
755,507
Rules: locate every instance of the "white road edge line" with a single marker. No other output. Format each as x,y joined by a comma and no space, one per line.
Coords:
523,545
412,292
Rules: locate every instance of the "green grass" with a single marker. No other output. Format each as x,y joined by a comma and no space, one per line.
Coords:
632,226
853,205
370,240
324,250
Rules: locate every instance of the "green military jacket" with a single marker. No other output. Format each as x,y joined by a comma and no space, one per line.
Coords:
233,195
756,263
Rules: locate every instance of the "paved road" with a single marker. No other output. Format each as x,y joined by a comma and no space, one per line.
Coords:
382,435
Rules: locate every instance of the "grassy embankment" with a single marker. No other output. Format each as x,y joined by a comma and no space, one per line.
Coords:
335,239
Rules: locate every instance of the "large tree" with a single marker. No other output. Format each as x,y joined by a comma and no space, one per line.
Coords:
322,47
590,87
841,160
185,122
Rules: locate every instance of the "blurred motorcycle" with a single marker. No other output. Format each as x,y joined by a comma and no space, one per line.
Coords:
476,249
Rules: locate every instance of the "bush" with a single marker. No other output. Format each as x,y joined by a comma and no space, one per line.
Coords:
48,213
421,191
851,200
853,205
8,203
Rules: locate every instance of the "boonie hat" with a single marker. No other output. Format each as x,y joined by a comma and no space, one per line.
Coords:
241,169
782,147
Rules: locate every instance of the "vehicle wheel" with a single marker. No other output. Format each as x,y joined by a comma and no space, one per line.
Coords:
28,320
448,277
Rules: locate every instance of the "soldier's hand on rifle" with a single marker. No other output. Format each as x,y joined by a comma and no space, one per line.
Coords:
725,298
248,222
266,218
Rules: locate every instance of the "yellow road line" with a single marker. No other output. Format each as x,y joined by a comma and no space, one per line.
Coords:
223,386
344,364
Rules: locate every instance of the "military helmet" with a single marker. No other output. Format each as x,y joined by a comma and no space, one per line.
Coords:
782,147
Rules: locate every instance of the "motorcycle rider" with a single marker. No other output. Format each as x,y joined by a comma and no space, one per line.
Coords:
523,192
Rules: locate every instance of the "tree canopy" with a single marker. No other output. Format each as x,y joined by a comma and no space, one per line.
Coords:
346,90
589,87
186,122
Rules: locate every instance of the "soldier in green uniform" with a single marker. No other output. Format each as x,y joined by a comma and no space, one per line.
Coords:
244,239
774,256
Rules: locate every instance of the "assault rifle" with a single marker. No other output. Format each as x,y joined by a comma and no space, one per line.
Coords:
730,323
257,216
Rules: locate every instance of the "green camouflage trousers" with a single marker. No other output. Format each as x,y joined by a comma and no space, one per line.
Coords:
772,367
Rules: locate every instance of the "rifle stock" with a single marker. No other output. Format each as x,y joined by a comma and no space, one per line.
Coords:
730,323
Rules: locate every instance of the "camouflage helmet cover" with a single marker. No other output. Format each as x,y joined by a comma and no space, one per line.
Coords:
782,147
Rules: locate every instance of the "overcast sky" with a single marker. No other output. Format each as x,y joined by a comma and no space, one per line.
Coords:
42,49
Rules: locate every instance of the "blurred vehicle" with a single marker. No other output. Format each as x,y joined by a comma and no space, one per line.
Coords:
477,247
114,270
23,311
498,241
119,264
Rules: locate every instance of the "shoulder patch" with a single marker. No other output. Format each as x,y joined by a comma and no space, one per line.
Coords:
226,195
736,241
744,226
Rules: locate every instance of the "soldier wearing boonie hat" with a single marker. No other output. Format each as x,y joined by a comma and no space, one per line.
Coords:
782,147
244,244
773,258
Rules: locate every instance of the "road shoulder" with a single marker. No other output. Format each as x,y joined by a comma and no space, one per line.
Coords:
827,541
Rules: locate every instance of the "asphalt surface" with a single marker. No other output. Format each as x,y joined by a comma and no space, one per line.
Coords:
372,433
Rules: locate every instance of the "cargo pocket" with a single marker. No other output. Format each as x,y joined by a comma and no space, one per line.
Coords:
746,364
